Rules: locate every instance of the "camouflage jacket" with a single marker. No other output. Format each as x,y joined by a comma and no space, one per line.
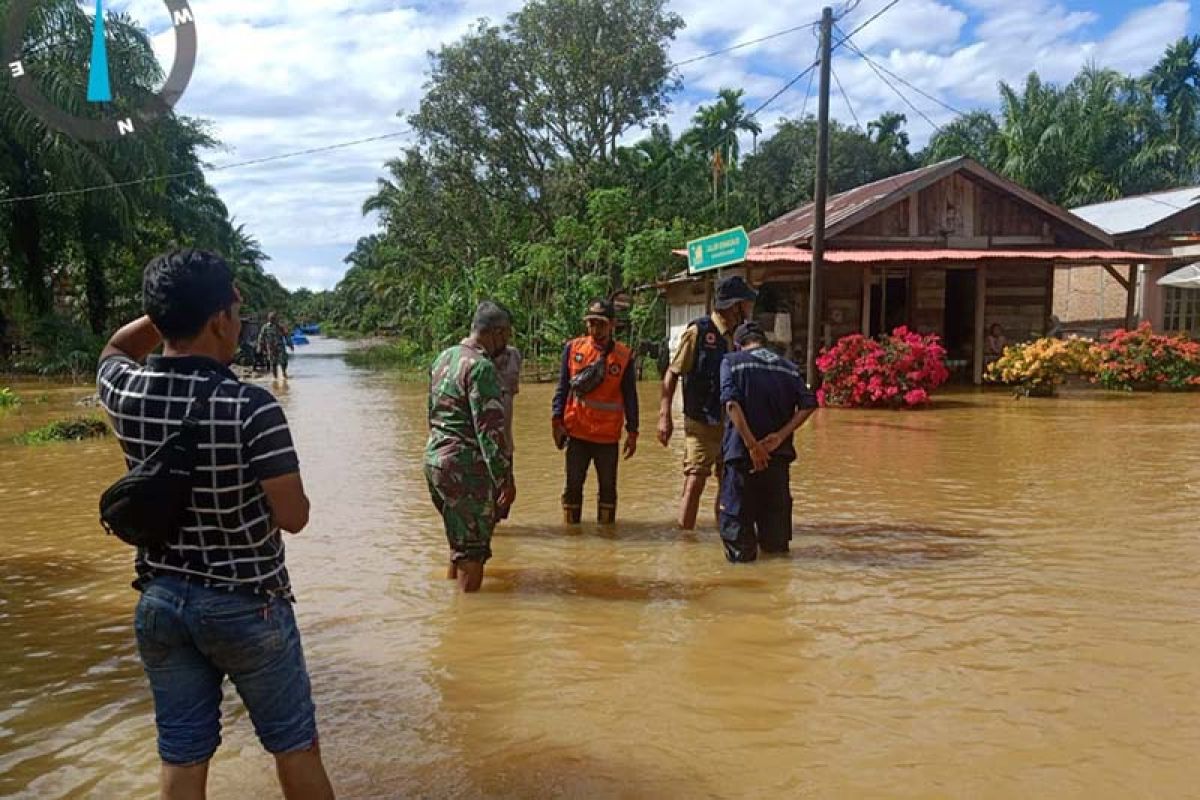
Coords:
272,339
466,415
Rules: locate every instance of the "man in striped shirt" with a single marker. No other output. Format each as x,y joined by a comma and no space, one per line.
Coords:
216,599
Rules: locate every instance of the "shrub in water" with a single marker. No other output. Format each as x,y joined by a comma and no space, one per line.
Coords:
66,430
897,371
1142,359
1039,367
8,398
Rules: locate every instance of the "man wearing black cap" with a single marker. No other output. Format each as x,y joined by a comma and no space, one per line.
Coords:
698,360
597,391
767,399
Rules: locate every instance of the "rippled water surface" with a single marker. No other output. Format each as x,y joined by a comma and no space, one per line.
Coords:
988,599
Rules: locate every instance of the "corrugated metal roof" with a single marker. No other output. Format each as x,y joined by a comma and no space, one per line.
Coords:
847,209
1132,214
797,224
759,255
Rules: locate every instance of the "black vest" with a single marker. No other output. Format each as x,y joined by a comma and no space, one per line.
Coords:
702,386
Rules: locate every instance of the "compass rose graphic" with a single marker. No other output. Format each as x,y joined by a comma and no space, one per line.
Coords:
23,64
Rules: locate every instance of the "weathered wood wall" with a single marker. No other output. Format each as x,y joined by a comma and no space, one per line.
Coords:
1017,298
928,293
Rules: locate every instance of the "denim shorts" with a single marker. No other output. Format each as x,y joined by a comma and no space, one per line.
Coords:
190,637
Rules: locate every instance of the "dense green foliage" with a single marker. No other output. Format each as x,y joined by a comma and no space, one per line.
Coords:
527,182
522,188
70,265
66,430
1101,137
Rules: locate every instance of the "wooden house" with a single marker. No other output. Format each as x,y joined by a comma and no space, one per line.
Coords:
950,249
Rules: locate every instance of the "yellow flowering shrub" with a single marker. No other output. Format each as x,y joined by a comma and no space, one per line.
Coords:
1040,367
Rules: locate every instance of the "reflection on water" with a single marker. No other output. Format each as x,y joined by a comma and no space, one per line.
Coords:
988,599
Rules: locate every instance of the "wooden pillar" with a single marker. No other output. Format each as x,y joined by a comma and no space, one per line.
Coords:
883,329
980,319
1048,311
866,301
1131,297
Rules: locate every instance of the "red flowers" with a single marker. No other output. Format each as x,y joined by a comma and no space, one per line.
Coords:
898,371
1143,359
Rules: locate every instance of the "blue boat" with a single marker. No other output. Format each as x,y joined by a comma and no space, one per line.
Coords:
298,337
310,330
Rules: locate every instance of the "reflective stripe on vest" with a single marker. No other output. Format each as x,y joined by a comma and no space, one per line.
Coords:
600,416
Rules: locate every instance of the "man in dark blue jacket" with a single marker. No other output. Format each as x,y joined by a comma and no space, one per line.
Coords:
766,398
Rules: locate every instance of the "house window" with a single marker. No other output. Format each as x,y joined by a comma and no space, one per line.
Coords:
1181,309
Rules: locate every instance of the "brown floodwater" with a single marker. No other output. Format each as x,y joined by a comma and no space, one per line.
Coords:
990,598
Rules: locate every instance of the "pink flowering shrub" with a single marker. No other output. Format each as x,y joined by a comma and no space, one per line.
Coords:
897,371
1142,359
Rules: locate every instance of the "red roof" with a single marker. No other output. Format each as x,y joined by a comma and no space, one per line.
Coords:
798,255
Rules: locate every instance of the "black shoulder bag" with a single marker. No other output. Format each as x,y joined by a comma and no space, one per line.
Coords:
588,379
148,505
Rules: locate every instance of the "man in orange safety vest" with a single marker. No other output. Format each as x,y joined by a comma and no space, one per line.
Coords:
597,392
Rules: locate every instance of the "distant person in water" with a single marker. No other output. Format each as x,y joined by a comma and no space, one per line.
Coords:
273,344
467,462
508,365
216,600
766,399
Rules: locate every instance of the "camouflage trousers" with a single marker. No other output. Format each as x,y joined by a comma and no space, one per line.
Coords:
466,500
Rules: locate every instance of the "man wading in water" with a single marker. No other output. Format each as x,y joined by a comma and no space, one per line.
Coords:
698,360
216,599
467,464
273,343
767,400
597,389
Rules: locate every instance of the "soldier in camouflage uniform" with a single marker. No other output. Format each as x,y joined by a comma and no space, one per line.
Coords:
467,463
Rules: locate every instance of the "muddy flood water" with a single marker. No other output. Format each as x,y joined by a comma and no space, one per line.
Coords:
992,598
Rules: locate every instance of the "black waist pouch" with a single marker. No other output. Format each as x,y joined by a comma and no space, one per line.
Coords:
148,505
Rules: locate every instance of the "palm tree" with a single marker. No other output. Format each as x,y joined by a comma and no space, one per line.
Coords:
888,132
36,159
715,133
1176,80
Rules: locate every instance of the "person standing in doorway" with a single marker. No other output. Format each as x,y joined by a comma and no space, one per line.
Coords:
597,391
508,366
698,361
273,343
767,399
467,465
216,599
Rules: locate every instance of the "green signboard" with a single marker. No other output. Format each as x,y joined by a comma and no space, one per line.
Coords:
718,250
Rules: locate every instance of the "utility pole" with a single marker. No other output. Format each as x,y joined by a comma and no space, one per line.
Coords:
820,192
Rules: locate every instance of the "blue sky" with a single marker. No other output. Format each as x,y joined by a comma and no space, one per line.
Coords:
280,75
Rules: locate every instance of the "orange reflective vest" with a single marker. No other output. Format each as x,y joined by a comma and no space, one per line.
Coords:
599,416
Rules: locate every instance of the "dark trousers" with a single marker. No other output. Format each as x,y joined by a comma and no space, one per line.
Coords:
756,510
580,455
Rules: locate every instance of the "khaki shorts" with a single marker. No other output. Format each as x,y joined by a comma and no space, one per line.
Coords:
702,448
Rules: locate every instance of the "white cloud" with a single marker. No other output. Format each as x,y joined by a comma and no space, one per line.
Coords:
283,75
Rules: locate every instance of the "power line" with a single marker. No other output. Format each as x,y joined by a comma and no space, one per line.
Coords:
915,88
873,17
218,168
809,70
901,95
741,45
846,97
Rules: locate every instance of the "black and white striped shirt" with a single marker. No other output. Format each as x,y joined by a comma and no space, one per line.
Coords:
230,540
